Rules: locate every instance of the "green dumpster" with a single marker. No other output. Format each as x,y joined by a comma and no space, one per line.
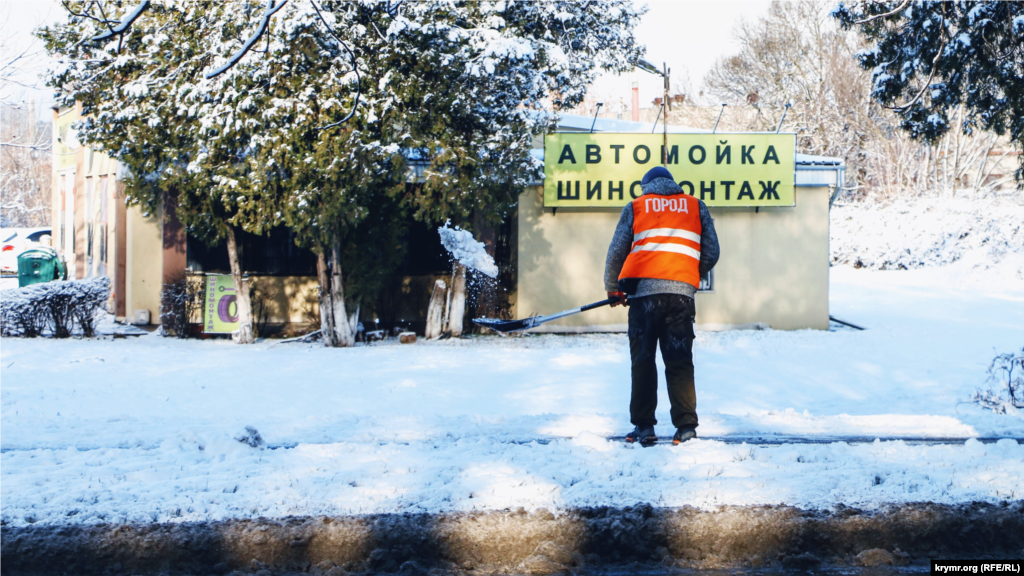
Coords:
40,265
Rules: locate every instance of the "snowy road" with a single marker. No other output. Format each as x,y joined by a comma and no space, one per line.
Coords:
142,429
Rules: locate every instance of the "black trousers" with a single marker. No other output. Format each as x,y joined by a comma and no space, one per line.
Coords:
665,319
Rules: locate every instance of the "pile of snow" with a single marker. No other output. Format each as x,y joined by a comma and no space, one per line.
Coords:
467,250
928,231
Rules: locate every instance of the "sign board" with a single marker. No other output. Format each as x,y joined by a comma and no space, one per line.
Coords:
220,309
604,169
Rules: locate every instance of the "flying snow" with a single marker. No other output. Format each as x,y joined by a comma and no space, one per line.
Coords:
467,250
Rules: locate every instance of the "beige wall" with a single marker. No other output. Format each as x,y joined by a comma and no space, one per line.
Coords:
144,261
561,263
79,170
773,269
287,298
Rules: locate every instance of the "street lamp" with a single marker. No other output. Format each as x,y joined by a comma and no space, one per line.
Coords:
664,73
598,110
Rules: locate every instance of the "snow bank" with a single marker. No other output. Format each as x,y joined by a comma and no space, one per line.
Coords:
467,250
928,231
201,477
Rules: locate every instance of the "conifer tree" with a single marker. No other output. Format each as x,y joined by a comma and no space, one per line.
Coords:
929,58
308,114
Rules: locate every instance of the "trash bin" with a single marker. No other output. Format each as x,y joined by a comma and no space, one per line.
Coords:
40,265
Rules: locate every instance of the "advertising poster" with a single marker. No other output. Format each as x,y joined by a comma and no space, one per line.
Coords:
220,312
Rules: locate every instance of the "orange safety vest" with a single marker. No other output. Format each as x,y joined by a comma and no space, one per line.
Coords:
666,240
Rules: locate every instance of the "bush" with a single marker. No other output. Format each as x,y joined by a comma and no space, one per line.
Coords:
262,300
20,317
181,302
54,307
1006,373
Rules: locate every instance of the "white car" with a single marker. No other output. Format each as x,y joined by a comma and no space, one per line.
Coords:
14,242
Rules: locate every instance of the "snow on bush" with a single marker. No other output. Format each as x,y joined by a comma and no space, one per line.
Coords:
54,307
926,231
467,250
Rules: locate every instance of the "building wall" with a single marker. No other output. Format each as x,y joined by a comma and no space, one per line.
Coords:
773,269
288,299
85,199
143,263
65,165
561,263
120,252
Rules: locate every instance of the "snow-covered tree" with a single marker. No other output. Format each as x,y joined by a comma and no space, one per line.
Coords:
25,157
930,58
25,166
307,113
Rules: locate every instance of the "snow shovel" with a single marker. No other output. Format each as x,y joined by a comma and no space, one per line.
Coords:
532,321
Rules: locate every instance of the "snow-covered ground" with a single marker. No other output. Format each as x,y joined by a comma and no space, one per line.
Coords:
143,429
930,230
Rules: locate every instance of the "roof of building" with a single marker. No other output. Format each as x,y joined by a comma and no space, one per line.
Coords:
575,123
822,161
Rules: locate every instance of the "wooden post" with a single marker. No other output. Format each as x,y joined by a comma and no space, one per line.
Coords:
435,311
458,300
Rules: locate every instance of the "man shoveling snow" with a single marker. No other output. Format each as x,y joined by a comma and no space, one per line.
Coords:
664,244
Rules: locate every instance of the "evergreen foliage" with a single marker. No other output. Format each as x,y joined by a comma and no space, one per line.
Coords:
317,125
929,58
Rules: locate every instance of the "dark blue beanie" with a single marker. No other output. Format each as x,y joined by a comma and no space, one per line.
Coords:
656,172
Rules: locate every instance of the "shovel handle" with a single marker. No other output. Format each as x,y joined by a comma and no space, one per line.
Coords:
599,304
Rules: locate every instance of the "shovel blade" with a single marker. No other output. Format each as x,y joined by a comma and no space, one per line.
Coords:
502,325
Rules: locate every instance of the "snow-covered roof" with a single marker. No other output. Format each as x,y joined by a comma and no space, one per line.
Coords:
819,161
814,171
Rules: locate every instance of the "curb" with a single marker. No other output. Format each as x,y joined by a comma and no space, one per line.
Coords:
638,538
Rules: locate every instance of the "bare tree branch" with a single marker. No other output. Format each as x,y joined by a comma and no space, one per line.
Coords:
39,147
271,9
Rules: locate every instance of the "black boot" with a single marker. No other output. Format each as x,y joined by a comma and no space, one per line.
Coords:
645,436
684,434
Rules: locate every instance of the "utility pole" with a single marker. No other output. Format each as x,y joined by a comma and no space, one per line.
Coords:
664,123
636,97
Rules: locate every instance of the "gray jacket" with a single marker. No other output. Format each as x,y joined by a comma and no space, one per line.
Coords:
622,244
